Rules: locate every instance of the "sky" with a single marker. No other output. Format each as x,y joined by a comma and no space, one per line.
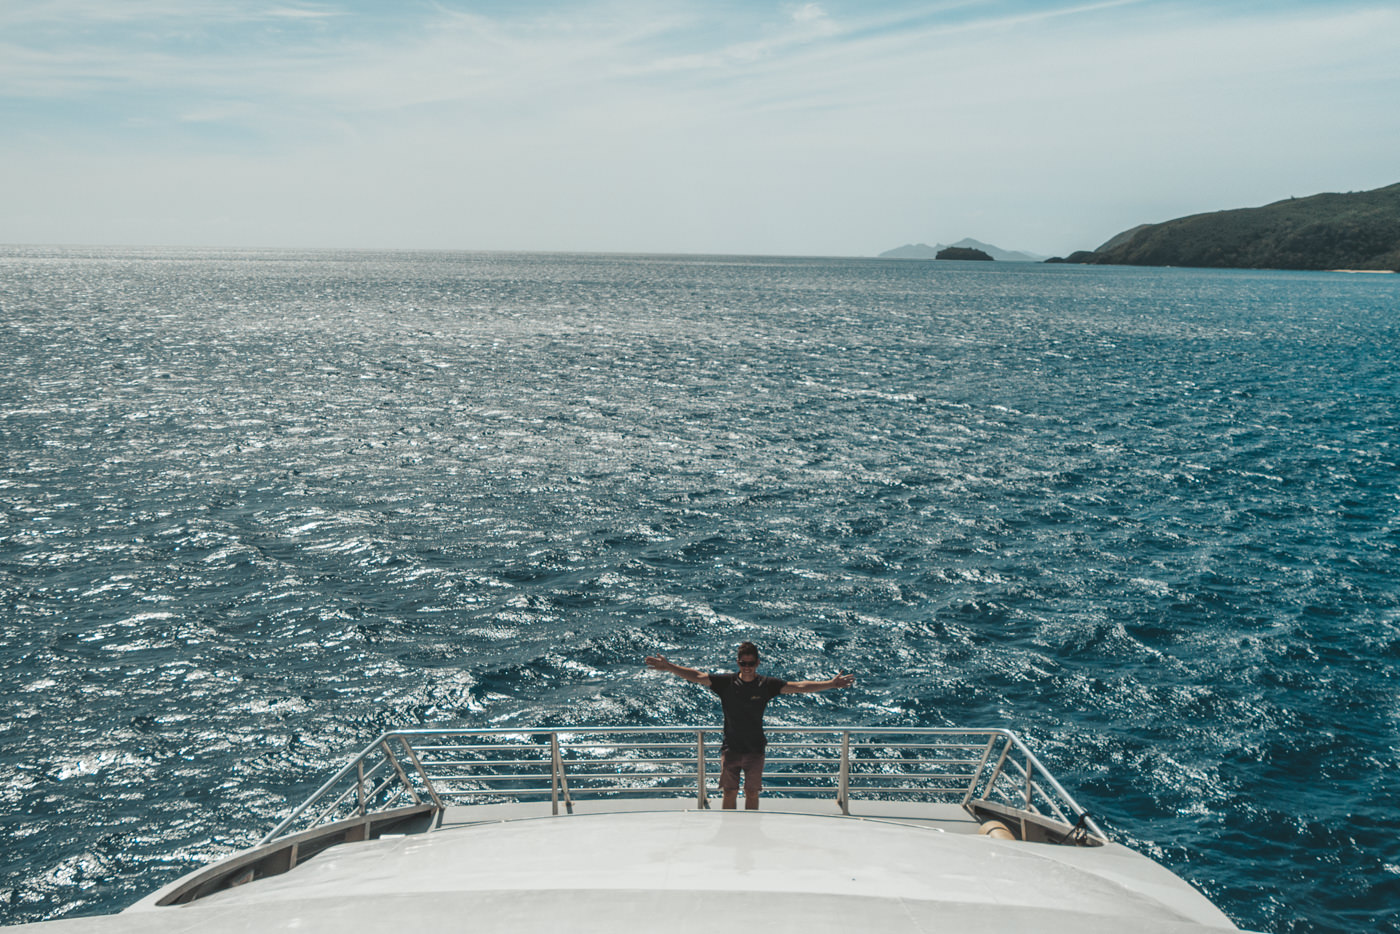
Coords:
828,128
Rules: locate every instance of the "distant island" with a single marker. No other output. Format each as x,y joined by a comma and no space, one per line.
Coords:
912,251
1356,231
962,252
924,251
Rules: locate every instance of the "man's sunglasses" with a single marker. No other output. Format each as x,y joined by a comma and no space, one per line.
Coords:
748,663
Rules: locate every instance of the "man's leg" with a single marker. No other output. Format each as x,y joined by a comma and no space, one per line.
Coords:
729,779
753,780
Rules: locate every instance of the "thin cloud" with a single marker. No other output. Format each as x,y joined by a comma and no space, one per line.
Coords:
815,20
740,115
303,13
72,15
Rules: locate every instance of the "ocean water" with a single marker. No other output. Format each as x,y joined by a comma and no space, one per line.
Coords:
255,507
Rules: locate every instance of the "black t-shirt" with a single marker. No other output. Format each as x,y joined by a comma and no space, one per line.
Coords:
743,709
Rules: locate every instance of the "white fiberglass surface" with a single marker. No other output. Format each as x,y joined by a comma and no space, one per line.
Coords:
738,852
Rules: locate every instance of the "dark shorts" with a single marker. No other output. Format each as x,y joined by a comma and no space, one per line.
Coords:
751,763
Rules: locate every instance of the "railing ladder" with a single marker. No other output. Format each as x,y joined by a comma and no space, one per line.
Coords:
403,776
977,772
418,766
996,772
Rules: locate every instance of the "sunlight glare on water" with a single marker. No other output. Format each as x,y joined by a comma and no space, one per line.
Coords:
258,507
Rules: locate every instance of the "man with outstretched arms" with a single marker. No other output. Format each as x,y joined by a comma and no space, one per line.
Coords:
744,696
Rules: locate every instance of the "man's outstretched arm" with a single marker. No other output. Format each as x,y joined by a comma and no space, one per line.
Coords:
690,674
812,687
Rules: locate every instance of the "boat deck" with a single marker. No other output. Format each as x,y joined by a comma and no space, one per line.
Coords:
949,818
653,866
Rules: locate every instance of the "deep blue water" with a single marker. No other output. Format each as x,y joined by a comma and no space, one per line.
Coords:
256,507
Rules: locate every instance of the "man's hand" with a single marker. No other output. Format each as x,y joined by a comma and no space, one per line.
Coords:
843,681
659,662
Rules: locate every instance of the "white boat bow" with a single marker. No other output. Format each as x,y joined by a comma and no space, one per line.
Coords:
596,829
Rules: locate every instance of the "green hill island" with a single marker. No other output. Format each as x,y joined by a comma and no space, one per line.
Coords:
1354,231
963,252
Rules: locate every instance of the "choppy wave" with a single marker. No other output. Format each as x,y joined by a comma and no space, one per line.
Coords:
257,507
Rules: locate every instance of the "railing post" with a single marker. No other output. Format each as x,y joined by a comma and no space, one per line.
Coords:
360,787
1030,772
1030,778
844,787
701,800
560,782
554,769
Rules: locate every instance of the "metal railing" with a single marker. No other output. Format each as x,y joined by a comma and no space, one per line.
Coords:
439,768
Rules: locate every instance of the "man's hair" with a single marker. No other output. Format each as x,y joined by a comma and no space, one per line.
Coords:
747,648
